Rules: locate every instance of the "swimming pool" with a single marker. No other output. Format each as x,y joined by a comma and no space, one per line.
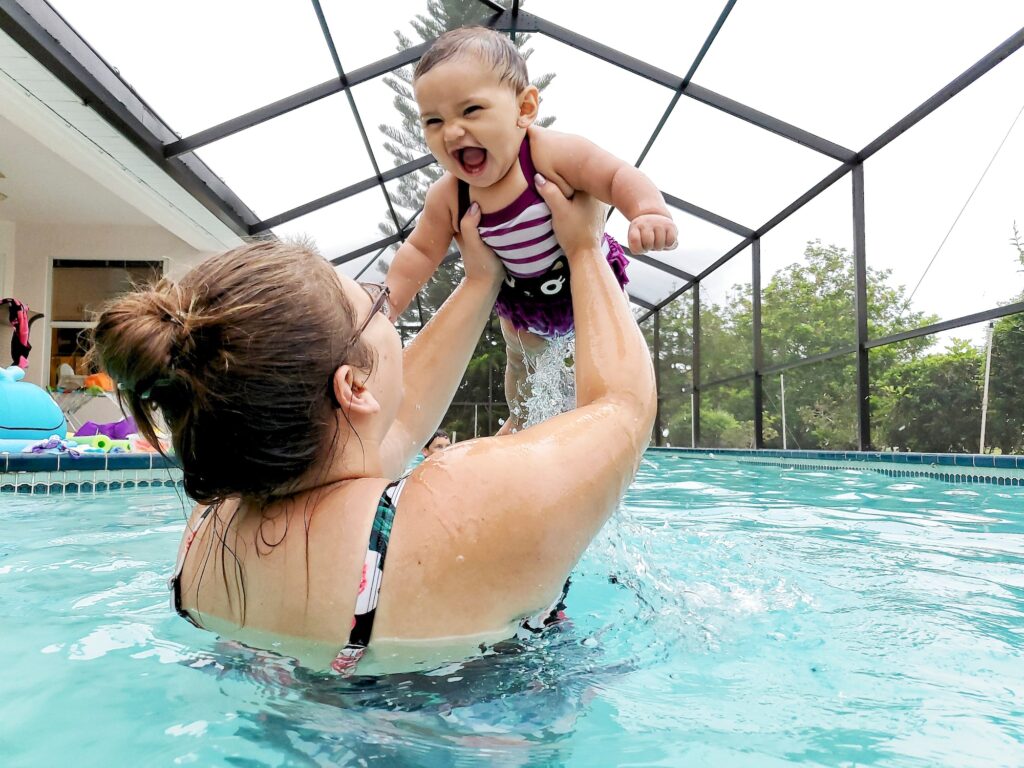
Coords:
732,614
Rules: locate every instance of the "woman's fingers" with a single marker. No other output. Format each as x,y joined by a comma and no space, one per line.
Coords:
470,222
578,222
478,259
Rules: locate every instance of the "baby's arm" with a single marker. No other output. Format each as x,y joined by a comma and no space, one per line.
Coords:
420,255
584,165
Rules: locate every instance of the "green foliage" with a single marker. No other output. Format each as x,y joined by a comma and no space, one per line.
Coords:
1006,388
933,403
485,377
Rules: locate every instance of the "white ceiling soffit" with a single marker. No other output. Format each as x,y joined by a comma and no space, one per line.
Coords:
35,101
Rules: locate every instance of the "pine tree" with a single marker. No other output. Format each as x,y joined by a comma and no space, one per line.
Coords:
484,379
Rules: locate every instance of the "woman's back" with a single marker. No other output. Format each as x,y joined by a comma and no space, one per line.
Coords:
284,552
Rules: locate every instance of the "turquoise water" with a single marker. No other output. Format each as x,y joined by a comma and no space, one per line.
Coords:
730,615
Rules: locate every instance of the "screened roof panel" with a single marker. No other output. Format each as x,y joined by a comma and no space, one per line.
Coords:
848,70
650,284
375,101
700,243
292,159
613,108
341,227
200,63
667,35
364,34
731,167
942,199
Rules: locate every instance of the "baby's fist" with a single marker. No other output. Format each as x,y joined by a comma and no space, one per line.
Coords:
652,232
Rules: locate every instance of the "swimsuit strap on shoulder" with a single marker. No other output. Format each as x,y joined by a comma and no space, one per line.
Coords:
371,579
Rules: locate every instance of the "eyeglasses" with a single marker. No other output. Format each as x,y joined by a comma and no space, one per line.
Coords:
379,293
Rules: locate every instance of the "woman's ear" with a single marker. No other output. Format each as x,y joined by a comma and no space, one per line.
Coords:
350,395
529,104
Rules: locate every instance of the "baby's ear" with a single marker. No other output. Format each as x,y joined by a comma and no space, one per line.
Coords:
529,105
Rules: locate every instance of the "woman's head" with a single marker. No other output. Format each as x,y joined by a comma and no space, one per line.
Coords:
240,358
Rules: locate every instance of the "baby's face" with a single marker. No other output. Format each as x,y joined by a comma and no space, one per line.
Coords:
473,122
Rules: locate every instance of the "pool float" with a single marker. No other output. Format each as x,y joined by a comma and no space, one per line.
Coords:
26,411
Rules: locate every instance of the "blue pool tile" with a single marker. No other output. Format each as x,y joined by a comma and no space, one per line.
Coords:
32,462
915,458
71,488
24,488
85,488
964,461
130,461
85,463
1005,462
984,461
946,459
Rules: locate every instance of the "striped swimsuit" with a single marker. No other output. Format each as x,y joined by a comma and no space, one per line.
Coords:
534,295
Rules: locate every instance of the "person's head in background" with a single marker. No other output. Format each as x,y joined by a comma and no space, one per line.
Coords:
437,443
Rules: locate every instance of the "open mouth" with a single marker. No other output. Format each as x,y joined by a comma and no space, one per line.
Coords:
472,160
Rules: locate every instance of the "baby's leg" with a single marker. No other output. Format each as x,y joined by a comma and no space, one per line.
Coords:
521,351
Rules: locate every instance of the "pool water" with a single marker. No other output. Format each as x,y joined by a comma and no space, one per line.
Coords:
731,614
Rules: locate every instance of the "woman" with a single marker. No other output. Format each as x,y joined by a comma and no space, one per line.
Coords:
293,408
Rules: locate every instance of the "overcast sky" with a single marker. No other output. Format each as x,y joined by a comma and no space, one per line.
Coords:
843,70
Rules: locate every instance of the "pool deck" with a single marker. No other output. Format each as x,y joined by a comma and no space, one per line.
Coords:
948,467
91,472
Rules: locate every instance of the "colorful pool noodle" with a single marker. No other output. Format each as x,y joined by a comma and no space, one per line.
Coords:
102,442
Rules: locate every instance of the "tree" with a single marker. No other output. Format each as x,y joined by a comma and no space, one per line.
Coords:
484,381
807,308
933,403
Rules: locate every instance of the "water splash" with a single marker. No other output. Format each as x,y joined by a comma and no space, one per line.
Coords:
550,385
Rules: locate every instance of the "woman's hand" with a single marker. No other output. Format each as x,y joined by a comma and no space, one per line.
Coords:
578,222
478,259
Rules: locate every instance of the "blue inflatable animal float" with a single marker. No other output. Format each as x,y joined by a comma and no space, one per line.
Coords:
27,412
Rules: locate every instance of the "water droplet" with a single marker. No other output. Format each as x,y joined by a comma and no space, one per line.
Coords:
460,559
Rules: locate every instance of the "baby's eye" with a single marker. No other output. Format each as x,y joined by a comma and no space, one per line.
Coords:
432,121
470,110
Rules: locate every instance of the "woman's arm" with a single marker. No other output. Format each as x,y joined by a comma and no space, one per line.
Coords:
517,511
435,362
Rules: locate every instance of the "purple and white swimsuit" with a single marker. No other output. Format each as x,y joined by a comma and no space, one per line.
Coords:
534,295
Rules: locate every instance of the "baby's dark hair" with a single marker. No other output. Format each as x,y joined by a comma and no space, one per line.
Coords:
237,357
492,47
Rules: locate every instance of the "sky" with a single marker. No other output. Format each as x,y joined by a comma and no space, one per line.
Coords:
845,70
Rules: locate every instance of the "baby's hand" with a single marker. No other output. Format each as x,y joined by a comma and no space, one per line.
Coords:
652,232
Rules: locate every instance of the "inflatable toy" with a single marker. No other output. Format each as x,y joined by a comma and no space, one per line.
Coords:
27,412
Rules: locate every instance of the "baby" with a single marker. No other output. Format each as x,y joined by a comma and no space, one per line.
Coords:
477,109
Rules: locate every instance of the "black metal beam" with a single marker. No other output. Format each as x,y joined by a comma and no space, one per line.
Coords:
948,325
769,123
695,365
689,76
341,194
640,302
860,274
708,41
708,216
801,362
1011,44
755,290
726,380
643,258
329,39
657,378
352,255
40,30
295,101
694,91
